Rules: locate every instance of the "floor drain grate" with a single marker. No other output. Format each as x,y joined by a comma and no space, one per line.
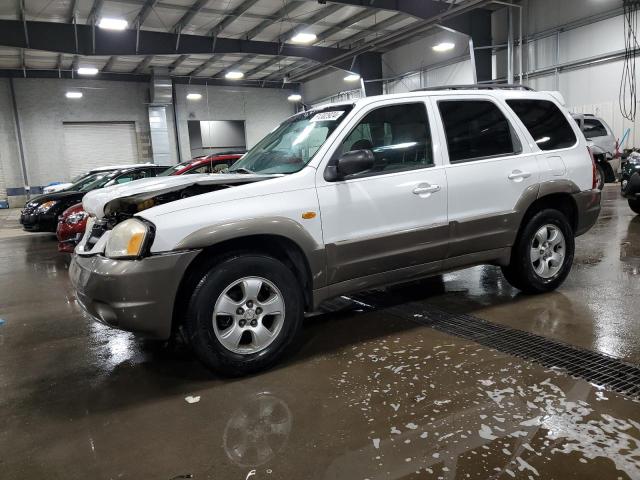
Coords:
597,368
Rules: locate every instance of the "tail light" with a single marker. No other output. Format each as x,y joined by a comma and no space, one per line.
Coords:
594,179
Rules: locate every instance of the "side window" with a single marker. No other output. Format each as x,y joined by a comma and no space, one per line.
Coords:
398,135
476,129
545,122
201,169
124,179
593,128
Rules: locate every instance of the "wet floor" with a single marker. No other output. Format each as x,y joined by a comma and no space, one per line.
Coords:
368,394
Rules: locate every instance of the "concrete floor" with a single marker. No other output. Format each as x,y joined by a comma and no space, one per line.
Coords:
368,395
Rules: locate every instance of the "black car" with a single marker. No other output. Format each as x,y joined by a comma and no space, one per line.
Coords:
40,214
630,182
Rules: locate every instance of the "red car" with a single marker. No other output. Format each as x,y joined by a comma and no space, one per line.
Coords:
72,222
71,225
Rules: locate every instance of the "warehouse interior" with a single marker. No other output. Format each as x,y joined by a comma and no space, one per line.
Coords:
456,372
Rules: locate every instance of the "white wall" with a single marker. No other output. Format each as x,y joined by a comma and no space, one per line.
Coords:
262,109
10,175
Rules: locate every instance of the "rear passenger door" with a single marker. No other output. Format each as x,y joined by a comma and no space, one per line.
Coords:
489,171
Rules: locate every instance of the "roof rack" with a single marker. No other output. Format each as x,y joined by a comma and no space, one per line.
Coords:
478,86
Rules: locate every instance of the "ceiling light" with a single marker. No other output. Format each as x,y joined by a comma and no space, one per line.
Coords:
234,75
194,96
73,94
304,37
113,23
352,77
87,71
444,47
294,97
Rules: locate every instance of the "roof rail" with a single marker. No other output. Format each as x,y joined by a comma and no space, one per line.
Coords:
478,86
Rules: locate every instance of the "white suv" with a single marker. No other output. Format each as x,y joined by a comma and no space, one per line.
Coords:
339,199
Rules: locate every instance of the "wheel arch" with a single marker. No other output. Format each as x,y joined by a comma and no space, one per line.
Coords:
562,201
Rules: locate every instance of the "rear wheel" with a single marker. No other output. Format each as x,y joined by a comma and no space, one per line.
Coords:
600,177
634,204
543,254
244,314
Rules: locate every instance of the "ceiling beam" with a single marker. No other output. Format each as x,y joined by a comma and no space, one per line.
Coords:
188,16
107,66
144,12
95,11
73,10
236,65
423,9
377,28
59,38
178,61
143,64
280,16
232,17
204,66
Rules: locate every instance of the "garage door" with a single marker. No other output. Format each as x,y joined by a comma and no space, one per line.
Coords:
96,144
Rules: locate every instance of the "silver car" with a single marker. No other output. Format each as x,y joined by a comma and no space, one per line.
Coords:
603,145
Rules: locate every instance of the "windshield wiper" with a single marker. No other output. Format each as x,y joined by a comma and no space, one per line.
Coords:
241,170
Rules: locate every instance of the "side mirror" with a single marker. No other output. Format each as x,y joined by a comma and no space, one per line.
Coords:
350,163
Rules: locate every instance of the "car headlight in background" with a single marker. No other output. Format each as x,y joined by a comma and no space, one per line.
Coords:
76,218
46,206
127,239
634,158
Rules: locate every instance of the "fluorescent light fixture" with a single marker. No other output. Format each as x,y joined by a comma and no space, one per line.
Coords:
294,97
443,47
234,75
194,96
87,71
73,94
352,77
113,23
304,37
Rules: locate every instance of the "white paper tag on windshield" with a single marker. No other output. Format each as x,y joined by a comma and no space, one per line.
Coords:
327,116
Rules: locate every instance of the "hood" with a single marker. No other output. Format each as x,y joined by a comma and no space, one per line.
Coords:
72,209
66,195
147,189
56,188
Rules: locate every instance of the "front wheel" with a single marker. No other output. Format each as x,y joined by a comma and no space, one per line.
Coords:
543,254
634,204
244,314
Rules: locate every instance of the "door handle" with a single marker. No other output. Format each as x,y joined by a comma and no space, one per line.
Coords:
518,175
425,188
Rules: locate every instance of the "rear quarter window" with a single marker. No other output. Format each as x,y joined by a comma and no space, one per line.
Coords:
545,122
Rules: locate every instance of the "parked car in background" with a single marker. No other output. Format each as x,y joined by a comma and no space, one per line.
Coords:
61,186
630,181
603,145
73,221
208,164
338,199
40,214
71,225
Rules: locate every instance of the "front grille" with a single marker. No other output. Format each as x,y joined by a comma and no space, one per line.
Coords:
594,367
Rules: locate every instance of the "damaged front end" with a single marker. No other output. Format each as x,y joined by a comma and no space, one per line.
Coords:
114,205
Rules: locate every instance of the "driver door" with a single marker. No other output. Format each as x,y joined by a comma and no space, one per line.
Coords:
390,221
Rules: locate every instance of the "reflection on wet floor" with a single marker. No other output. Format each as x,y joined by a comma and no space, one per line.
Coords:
367,395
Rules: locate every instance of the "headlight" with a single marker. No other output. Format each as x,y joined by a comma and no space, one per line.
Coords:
127,239
76,217
633,158
46,206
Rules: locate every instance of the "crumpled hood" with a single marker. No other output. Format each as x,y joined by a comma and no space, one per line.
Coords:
95,201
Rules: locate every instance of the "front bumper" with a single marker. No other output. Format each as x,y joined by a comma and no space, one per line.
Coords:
588,203
39,222
133,295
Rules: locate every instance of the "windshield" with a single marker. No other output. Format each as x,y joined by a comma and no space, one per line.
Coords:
86,180
99,180
294,143
175,168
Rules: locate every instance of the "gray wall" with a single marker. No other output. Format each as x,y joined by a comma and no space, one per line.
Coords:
42,109
262,109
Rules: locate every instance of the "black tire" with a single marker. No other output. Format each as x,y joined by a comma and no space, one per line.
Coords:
600,180
198,322
634,204
521,273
